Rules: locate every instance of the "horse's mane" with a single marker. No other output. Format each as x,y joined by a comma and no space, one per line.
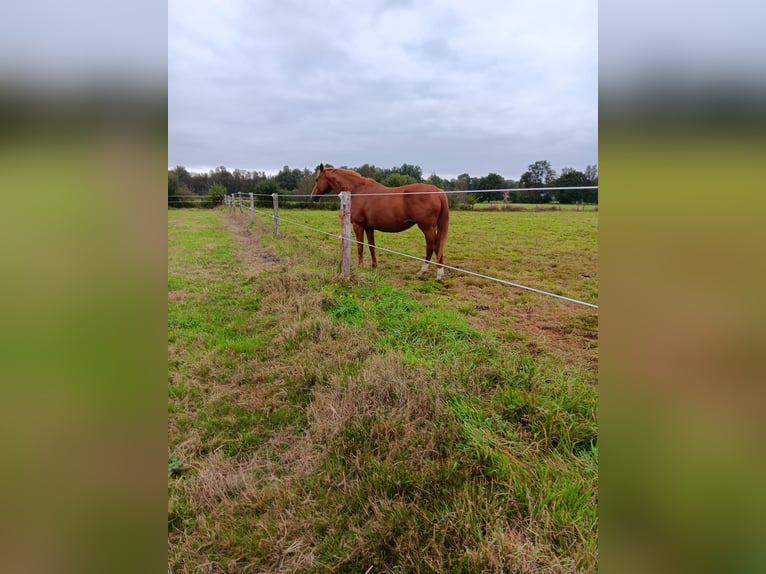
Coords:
350,172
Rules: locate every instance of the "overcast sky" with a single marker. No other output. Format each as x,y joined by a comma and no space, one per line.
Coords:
452,86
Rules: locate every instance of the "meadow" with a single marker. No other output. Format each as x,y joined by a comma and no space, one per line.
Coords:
386,422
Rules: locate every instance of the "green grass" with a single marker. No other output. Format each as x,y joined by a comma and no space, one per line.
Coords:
385,421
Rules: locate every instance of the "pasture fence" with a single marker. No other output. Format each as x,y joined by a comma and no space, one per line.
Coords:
234,202
345,233
275,202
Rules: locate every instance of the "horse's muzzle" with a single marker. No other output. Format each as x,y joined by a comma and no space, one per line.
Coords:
314,198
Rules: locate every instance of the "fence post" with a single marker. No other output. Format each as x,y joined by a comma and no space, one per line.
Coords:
345,234
252,209
275,201
240,202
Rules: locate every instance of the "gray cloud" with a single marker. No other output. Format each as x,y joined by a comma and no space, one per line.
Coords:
491,86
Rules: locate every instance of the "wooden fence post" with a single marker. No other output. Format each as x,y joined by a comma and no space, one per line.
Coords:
345,234
252,208
275,201
240,202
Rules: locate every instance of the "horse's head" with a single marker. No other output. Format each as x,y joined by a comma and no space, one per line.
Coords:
322,184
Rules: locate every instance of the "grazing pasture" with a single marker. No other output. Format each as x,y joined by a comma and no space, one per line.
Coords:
391,421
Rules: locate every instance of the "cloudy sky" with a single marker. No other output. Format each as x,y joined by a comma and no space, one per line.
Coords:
450,85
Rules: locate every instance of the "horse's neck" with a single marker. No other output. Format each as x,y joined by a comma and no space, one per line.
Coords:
350,183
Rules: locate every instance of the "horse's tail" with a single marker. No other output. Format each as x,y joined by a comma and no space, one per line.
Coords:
442,226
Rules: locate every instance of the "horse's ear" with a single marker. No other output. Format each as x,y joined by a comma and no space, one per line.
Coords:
321,167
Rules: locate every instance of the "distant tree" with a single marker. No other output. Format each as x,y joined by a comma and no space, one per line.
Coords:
439,182
368,170
187,198
538,174
570,178
459,200
591,174
491,181
184,177
222,176
172,185
200,183
288,178
305,183
263,190
397,179
256,178
462,182
178,194
414,171
241,181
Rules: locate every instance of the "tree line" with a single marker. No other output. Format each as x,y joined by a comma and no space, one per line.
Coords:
187,189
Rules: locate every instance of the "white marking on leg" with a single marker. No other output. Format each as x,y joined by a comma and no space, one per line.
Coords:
423,269
439,273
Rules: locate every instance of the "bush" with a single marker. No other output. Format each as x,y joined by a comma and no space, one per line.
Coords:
215,195
461,201
183,198
263,192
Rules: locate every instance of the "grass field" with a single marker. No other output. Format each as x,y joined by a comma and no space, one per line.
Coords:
389,423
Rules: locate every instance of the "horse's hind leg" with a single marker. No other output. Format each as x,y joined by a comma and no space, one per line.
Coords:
371,241
430,234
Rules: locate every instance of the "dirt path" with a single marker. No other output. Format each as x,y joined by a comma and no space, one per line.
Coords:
254,256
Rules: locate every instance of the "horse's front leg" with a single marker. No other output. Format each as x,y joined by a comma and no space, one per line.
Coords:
371,241
359,232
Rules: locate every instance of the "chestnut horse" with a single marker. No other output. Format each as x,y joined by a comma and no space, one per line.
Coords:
390,209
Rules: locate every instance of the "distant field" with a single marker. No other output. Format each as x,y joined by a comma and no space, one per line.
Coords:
535,206
390,421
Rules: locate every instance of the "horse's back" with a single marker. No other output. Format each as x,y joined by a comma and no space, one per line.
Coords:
421,188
